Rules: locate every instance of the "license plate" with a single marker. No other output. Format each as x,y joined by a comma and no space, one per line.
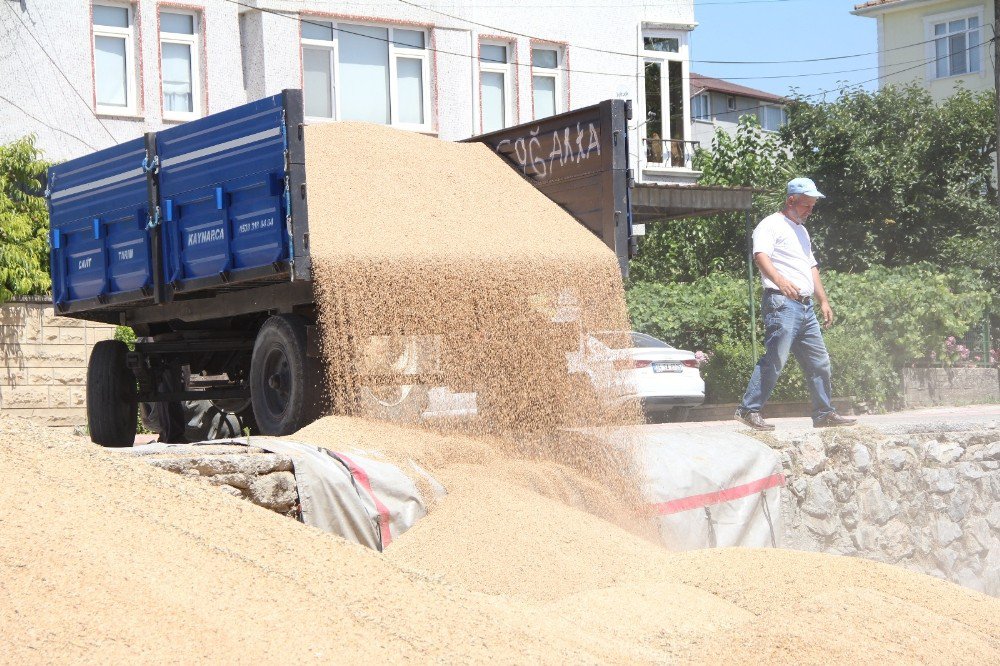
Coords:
667,366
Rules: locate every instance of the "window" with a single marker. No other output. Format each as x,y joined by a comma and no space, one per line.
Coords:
773,117
665,98
546,82
114,59
730,103
180,67
957,48
318,66
495,86
364,72
665,44
701,107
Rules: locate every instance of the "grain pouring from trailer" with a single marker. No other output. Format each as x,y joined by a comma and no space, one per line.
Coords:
197,237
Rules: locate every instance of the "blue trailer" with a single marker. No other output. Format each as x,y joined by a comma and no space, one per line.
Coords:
197,237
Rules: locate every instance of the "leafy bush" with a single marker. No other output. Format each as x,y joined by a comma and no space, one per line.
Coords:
694,315
886,319
24,221
912,310
126,335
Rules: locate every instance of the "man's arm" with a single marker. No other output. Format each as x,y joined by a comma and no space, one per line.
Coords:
787,287
821,299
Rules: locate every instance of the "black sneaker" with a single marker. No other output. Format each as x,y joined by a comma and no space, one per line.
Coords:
833,420
753,419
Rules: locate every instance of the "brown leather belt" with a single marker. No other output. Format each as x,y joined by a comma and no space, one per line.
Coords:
804,300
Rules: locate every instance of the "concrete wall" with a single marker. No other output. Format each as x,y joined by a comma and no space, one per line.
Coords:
46,59
901,34
43,371
929,502
927,387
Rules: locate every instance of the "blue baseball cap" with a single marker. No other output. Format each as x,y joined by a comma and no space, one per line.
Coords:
804,186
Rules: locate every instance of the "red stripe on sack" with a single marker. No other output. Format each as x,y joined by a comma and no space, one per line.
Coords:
383,510
719,496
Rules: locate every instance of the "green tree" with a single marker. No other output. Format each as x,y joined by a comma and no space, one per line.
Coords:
904,177
690,248
24,221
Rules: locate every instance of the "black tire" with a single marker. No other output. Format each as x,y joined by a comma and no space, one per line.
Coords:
679,414
400,356
285,388
401,404
112,404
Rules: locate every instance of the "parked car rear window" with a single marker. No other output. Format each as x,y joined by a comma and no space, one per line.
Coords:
619,340
643,340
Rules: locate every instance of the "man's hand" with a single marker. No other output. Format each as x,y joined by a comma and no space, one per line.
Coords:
827,313
789,289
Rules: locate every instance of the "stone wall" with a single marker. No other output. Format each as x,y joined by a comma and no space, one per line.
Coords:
929,502
247,472
43,374
926,387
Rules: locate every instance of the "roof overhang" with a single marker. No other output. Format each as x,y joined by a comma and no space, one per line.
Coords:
875,10
668,25
652,201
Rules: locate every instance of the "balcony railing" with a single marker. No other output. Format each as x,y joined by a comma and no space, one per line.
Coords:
670,152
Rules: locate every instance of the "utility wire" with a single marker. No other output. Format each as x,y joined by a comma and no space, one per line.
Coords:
45,124
61,73
635,55
923,63
328,25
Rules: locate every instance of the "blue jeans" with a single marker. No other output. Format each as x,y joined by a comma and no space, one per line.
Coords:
790,326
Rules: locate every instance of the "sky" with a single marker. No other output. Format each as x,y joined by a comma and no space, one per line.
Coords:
785,30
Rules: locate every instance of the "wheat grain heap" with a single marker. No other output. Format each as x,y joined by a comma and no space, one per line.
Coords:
106,559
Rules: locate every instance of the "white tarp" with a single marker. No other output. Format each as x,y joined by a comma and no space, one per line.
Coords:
352,494
711,489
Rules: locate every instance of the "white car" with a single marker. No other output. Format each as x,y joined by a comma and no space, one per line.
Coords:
664,379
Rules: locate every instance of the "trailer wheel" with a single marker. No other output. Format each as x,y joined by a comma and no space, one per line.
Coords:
394,358
112,404
284,389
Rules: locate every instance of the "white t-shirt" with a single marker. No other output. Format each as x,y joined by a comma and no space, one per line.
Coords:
787,245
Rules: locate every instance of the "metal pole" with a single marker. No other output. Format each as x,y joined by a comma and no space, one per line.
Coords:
750,299
996,81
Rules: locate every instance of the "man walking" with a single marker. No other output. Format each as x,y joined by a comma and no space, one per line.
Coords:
783,253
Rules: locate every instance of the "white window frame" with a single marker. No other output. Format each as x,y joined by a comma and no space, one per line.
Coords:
505,68
546,72
395,54
332,50
193,41
663,58
131,107
763,116
935,19
707,96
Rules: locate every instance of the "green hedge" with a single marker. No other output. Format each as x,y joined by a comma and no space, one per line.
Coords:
885,319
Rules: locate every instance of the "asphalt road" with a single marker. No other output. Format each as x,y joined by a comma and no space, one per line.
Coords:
937,419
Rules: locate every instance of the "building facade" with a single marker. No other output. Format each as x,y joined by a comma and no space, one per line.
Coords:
85,74
939,44
718,104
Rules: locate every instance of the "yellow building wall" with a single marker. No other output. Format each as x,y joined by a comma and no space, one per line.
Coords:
901,62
